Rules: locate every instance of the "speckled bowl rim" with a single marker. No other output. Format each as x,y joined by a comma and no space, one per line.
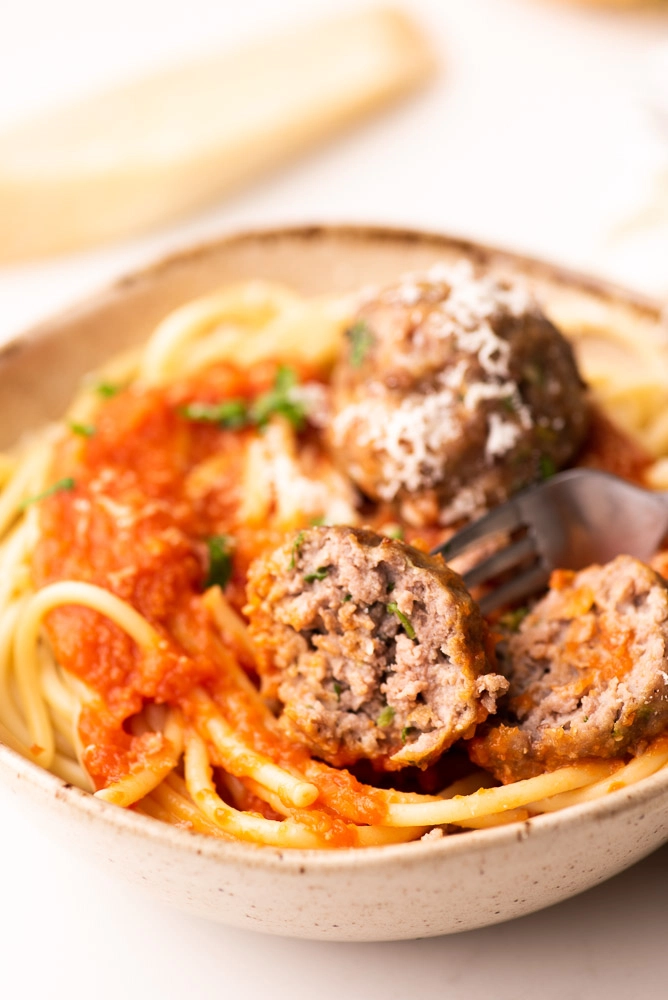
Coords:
346,859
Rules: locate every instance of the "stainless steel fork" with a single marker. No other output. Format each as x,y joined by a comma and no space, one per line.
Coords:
570,521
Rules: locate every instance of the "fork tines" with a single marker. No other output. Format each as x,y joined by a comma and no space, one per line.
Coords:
504,519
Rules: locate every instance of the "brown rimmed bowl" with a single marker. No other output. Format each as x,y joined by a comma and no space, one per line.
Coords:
413,890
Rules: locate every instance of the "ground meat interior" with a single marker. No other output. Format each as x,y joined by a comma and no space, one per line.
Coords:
588,672
373,649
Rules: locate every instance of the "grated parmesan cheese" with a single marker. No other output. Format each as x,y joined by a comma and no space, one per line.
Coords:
410,437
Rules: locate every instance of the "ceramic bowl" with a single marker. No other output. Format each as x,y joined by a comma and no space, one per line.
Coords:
406,891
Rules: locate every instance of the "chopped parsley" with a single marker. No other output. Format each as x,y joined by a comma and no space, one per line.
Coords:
361,341
406,732
107,389
280,399
509,404
232,413
348,597
393,609
220,561
296,548
337,690
62,485
318,522
386,717
83,430
390,587
546,466
319,574
513,619
395,531
235,414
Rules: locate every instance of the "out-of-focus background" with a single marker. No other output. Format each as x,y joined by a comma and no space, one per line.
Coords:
545,131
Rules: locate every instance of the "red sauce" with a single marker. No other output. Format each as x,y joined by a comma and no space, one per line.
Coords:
135,524
150,487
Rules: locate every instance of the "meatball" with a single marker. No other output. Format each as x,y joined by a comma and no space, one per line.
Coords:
588,672
374,649
452,392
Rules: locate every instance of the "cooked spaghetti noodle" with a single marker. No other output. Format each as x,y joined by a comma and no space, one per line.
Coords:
126,532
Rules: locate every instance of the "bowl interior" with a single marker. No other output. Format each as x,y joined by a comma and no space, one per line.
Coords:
353,895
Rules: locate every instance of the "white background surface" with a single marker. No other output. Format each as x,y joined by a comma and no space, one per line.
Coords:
539,136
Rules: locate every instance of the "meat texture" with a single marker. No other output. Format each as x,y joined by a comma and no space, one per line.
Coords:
454,391
373,649
588,672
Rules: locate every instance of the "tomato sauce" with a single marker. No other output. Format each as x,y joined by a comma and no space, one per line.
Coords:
134,524
151,486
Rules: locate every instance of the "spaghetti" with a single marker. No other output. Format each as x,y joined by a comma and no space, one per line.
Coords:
126,533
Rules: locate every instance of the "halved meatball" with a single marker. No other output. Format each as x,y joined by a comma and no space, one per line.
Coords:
374,649
588,672
454,391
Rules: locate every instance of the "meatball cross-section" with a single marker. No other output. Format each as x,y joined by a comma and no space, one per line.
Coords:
373,649
588,672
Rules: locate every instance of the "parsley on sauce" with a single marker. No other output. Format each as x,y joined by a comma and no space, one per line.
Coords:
220,561
83,430
232,413
61,486
235,414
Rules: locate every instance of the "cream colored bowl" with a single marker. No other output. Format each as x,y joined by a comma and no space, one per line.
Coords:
412,890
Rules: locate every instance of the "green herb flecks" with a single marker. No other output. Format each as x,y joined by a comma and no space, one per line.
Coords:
546,466
318,522
237,413
61,486
406,732
361,341
393,609
395,531
83,430
390,587
281,400
319,574
386,717
348,597
107,389
512,620
220,561
231,413
337,690
296,548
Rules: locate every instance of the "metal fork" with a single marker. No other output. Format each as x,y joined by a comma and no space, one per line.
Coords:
570,521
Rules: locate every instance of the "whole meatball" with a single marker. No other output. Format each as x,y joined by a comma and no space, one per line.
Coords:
454,391
588,672
374,649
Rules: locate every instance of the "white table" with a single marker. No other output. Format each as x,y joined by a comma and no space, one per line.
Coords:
536,137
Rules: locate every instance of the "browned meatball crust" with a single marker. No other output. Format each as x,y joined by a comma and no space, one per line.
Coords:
374,649
588,672
454,391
